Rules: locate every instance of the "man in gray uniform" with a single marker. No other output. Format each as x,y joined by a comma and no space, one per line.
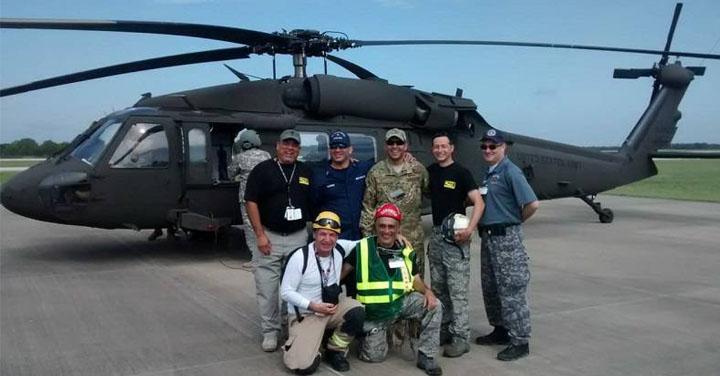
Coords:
505,273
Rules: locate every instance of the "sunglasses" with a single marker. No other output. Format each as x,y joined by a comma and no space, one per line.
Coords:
327,222
338,146
394,142
490,146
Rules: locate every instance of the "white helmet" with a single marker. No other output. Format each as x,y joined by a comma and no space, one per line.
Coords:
452,224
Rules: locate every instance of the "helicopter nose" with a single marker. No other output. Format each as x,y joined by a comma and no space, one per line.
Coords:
21,197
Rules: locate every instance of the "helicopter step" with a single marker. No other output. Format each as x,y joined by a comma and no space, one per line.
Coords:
604,214
197,222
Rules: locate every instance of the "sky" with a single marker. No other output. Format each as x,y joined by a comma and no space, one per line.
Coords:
562,95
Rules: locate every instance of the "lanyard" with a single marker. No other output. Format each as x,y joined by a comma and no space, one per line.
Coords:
287,181
325,274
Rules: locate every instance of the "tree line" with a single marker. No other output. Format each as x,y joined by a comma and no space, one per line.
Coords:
27,147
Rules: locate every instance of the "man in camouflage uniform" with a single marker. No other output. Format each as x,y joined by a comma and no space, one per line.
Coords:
505,272
243,163
390,287
449,249
401,183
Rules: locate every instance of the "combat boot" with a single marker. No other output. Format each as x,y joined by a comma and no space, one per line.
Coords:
429,365
456,349
337,360
499,336
269,343
514,352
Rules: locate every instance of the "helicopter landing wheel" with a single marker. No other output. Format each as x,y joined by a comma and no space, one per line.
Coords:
606,215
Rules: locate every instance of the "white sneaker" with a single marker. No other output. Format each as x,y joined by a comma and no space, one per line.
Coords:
269,342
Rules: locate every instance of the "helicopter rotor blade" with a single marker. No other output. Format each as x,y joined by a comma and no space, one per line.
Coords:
222,33
668,42
136,66
355,69
364,43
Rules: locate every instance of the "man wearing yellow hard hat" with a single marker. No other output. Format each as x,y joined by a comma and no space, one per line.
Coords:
310,286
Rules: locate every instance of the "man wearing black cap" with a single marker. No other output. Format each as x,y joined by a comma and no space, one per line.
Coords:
505,273
277,196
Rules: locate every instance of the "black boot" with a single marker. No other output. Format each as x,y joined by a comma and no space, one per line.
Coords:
514,352
499,336
428,364
337,360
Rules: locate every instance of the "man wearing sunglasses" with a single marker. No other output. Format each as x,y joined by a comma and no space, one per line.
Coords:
505,273
310,286
401,183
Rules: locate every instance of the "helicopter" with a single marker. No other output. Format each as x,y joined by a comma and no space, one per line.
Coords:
164,162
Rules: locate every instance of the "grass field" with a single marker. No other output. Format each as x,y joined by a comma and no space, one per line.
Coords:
18,163
680,179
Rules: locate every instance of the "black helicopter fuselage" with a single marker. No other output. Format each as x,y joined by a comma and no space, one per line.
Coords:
167,160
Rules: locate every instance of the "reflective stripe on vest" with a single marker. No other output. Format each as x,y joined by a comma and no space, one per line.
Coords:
387,291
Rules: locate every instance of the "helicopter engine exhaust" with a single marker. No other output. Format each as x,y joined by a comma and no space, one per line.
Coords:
329,96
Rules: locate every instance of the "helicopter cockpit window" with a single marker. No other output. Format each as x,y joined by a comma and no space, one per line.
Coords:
90,150
363,147
314,147
145,146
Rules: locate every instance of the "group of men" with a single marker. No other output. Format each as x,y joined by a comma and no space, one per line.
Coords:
367,231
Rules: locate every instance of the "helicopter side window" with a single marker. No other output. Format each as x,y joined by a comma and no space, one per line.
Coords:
314,147
198,144
363,147
145,146
90,150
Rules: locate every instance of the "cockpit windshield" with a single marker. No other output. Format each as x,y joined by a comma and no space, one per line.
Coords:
90,150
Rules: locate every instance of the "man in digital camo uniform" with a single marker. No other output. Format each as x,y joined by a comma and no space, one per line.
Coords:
250,156
505,273
402,184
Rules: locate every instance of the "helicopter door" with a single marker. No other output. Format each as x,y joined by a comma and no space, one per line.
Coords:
137,183
210,190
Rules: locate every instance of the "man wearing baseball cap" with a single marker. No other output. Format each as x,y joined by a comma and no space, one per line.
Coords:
505,273
278,197
400,182
390,286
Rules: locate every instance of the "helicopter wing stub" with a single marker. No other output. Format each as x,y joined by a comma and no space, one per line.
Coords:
222,33
136,66
355,69
449,42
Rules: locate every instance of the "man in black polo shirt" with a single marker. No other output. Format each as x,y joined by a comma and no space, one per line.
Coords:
450,185
277,196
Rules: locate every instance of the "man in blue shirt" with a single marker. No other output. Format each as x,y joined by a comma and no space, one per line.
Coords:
505,273
339,188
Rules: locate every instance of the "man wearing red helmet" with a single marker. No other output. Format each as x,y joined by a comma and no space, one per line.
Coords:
390,287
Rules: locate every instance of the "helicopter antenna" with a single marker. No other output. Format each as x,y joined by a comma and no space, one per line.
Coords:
325,62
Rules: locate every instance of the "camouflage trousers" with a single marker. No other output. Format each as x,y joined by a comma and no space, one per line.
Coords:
415,234
374,346
450,276
505,275
250,237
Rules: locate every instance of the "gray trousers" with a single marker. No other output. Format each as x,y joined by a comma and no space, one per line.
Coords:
374,347
505,275
268,275
450,277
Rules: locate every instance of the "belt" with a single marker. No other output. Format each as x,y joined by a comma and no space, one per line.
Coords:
495,229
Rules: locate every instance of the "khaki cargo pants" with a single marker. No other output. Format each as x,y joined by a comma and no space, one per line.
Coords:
303,344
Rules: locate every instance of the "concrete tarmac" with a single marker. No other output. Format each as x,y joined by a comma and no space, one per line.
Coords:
640,296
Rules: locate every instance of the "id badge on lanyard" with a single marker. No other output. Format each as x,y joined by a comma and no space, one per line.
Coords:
291,213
